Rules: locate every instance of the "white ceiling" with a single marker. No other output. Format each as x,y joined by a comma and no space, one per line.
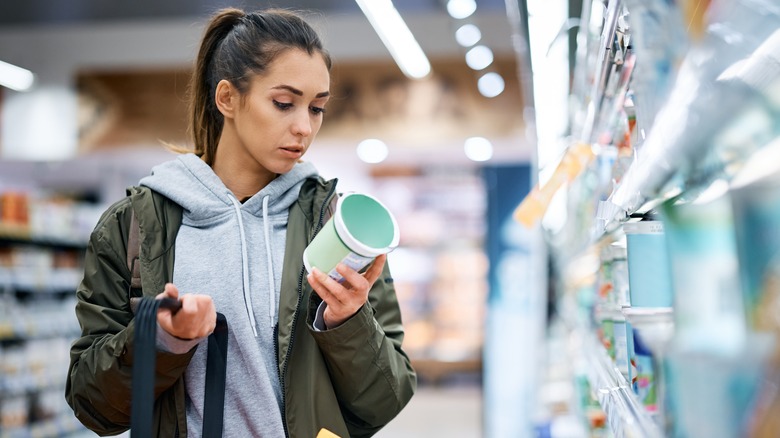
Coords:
55,49
30,12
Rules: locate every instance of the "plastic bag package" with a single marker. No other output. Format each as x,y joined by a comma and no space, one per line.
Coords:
728,82
660,40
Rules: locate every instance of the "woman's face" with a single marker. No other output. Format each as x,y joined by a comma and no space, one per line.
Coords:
277,119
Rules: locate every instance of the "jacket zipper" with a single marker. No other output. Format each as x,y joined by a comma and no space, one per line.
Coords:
295,318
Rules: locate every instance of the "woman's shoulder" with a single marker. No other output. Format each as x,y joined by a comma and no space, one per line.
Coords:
114,213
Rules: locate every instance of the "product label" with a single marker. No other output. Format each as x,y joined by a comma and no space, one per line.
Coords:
354,261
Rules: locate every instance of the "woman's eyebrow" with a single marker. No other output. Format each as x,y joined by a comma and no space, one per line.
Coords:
298,92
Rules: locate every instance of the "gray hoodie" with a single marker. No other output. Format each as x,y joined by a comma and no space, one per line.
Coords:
232,252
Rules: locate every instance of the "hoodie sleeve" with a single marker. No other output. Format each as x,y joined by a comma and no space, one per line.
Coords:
371,374
98,388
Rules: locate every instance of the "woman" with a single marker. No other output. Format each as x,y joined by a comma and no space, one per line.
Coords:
223,229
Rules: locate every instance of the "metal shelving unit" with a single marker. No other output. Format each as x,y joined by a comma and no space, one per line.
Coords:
685,144
625,414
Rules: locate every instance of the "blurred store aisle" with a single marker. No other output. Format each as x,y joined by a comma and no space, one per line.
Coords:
453,412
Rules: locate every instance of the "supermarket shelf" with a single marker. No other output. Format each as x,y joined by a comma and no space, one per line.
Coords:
63,425
18,385
19,236
625,414
38,280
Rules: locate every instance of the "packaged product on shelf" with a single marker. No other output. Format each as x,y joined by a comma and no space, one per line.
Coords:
708,309
660,41
715,395
626,138
14,413
631,374
14,216
755,197
644,383
607,333
620,274
588,48
621,357
765,423
604,279
735,66
649,274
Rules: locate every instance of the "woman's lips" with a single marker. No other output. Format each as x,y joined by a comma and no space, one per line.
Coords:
292,151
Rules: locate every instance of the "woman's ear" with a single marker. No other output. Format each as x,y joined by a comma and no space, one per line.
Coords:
226,98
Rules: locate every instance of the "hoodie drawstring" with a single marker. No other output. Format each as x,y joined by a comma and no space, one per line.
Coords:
269,264
245,265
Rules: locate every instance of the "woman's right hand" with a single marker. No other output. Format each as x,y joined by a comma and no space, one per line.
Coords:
196,318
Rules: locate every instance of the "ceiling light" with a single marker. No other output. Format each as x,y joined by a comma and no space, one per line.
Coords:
478,149
468,35
397,37
479,57
372,151
15,78
491,84
459,9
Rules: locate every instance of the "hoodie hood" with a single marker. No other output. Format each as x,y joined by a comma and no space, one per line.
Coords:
191,183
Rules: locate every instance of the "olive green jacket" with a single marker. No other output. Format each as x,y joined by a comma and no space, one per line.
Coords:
351,380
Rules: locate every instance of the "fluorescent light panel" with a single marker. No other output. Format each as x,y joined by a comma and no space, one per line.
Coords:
15,78
397,37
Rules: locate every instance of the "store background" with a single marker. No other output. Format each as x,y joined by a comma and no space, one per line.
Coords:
110,84
621,121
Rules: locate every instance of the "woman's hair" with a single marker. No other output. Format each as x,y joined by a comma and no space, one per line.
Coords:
236,46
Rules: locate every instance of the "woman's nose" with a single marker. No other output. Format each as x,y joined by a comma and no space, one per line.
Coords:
302,124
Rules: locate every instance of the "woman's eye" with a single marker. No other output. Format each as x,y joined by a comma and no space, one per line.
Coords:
317,110
282,106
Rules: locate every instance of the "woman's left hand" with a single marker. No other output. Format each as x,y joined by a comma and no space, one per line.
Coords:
345,299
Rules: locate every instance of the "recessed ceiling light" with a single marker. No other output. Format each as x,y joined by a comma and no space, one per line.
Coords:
479,57
468,35
460,9
372,151
491,84
478,148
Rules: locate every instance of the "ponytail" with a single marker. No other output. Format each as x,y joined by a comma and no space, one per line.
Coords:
205,119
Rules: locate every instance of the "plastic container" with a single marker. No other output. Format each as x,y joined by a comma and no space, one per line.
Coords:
756,210
708,306
715,395
360,229
649,275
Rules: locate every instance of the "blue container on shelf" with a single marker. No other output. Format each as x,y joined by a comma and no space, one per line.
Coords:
756,210
649,274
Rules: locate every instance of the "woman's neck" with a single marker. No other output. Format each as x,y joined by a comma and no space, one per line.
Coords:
240,179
